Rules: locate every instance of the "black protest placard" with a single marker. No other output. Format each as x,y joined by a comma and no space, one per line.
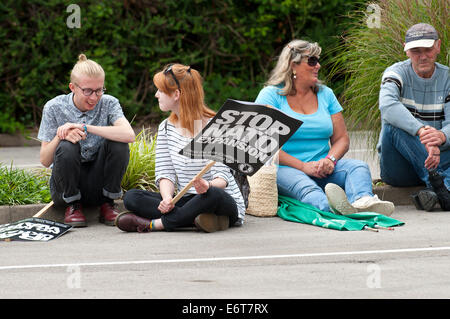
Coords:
32,229
242,135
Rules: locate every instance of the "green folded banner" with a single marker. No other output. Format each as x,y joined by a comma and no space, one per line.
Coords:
295,211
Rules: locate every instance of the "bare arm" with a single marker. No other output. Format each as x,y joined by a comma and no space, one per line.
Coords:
166,189
120,131
48,149
340,142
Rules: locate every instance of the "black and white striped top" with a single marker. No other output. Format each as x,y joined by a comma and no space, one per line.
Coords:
181,170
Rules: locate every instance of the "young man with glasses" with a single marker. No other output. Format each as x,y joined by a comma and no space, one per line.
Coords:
414,102
85,138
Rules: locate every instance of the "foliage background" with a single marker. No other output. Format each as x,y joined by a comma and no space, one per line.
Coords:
233,43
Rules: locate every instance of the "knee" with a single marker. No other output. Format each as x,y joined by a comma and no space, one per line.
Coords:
305,189
388,129
392,132
117,146
214,193
130,199
67,150
67,147
118,149
358,164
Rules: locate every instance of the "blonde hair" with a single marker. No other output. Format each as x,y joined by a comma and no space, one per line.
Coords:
192,96
86,67
294,51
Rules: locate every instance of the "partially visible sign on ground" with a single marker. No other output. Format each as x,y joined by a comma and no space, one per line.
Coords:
33,229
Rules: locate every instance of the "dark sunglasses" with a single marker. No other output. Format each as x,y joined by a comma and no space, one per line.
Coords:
169,70
312,60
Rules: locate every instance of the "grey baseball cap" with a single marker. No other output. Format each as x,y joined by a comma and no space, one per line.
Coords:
420,35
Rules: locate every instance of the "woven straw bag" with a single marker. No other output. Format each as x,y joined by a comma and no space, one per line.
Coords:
263,197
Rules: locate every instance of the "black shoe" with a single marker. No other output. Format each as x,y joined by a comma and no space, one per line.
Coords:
437,182
425,199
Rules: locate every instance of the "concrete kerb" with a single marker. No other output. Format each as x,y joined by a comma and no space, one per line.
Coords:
399,196
15,213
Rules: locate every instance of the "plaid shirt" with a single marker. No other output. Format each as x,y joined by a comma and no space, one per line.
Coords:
61,110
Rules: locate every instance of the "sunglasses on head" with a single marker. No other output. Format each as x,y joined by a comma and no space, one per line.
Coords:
312,60
169,70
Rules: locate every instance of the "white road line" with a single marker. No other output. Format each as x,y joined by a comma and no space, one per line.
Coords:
189,260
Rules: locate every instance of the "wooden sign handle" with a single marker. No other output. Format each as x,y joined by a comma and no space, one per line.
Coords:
43,210
189,185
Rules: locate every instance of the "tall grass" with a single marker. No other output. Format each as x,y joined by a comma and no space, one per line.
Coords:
366,52
141,167
22,187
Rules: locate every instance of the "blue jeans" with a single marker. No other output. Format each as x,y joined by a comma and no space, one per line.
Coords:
402,159
352,175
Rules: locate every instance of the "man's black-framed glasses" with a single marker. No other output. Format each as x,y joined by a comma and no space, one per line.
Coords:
169,70
88,92
312,60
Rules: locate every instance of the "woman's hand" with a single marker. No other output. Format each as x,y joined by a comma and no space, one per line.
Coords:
201,185
325,167
166,205
311,169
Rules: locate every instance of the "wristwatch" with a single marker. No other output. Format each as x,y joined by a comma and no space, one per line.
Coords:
332,158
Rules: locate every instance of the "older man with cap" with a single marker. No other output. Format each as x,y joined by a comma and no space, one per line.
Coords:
414,101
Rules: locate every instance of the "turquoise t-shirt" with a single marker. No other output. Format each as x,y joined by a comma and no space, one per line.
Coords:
311,141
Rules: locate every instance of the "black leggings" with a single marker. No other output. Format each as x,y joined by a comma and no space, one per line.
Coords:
215,200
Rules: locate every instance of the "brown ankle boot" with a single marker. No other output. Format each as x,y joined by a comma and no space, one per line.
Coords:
210,223
130,222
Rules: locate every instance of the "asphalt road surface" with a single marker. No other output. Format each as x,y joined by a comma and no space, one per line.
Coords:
266,258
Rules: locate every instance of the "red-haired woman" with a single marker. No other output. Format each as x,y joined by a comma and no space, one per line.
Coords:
215,201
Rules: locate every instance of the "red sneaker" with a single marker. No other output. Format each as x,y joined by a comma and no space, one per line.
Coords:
74,216
108,214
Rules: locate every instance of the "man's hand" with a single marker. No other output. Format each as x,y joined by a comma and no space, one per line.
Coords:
71,132
430,136
434,157
75,135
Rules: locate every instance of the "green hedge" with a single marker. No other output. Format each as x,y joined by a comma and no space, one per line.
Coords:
233,43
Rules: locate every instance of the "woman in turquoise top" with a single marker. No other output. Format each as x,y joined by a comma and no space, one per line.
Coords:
311,168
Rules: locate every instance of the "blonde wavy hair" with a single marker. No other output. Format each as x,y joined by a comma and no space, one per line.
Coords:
192,96
86,67
282,74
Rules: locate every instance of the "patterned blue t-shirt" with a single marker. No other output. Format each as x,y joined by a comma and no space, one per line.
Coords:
311,141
